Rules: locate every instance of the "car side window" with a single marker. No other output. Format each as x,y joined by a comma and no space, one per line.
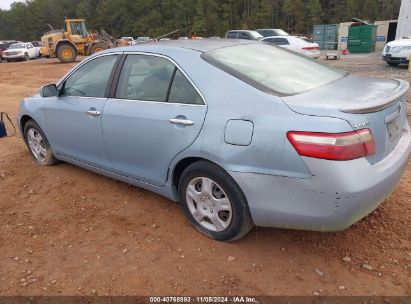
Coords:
280,41
243,36
146,78
182,91
91,79
232,35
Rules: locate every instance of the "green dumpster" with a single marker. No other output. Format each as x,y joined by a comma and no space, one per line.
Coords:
362,38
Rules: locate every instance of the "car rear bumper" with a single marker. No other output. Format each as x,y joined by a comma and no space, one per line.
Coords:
335,197
398,60
315,55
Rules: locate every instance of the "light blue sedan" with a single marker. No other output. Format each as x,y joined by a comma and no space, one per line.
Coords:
240,133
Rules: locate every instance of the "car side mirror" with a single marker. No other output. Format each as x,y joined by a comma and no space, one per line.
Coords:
49,90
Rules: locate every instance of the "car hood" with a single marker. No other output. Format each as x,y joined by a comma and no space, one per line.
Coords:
13,50
400,42
351,94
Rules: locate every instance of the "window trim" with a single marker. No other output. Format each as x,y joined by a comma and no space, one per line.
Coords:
80,65
120,69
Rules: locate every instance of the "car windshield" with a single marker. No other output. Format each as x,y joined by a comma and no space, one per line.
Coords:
17,46
271,68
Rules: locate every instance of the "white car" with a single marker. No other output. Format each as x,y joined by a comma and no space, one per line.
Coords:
397,51
295,44
130,40
20,51
37,47
142,39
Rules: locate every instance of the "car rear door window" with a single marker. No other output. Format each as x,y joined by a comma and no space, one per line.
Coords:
182,91
91,79
232,35
146,78
280,41
243,36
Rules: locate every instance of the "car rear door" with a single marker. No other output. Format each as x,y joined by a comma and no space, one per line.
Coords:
74,118
155,113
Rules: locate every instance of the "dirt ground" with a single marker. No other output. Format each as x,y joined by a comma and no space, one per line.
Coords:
67,231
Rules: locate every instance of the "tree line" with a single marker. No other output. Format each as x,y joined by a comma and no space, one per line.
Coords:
28,20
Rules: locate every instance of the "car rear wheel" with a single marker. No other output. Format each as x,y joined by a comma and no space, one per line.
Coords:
38,144
214,203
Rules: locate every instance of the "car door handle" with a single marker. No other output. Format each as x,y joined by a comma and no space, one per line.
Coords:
183,122
93,113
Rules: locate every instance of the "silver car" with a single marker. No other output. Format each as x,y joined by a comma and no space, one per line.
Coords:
241,133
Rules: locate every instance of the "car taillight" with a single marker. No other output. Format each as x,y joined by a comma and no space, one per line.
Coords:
313,48
333,146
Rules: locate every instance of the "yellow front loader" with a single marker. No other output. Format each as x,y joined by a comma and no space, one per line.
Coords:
74,40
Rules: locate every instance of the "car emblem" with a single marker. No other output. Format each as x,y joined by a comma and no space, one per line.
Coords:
361,124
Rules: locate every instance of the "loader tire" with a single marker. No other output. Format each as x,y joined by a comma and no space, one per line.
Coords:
66,53
98,47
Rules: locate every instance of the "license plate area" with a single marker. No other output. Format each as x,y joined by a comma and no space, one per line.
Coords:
394,130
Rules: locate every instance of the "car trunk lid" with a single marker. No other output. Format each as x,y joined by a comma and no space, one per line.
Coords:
376,104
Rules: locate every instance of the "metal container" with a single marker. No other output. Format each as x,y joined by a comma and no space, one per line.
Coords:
326,35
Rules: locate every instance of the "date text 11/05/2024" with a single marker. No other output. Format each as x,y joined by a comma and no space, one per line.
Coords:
205,299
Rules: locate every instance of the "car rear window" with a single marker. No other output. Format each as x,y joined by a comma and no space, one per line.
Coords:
272,69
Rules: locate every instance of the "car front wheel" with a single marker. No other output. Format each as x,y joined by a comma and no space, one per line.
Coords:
213,202
38,144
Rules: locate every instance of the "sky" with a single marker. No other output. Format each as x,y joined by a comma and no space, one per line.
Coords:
5,4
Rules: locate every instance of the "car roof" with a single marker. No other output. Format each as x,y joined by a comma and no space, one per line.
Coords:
199,45
244,31
268,29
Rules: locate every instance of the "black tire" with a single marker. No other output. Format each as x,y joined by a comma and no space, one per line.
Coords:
49,158
241,222
98,47
66,53
26,57
393,63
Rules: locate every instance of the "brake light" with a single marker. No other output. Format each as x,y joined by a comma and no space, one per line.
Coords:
333,146
311,48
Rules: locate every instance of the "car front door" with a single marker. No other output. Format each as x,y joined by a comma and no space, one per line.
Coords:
74,118
30,50
155,113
